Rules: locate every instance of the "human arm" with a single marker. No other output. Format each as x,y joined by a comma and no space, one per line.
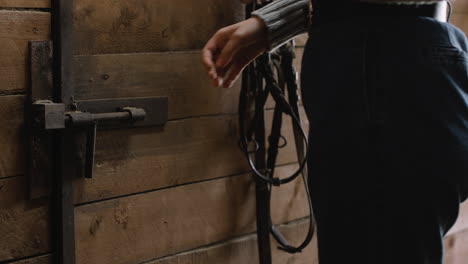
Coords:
234,47
284,19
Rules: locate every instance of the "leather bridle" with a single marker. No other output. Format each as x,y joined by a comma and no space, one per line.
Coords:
272,74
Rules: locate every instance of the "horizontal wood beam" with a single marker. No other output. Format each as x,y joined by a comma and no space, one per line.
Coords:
183,151
47,259
180,76
25,3
25,225
17,28
244,250
138,160
143,227
109,26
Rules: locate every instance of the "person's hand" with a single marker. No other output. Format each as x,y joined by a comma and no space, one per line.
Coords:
232,48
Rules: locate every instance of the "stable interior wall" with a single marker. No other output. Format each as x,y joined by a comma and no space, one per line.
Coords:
181,194
178,194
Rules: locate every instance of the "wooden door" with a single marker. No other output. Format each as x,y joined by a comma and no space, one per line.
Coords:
181,194
177,194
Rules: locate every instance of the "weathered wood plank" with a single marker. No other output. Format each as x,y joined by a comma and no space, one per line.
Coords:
25,3
24,225
179,75
456,248
36,260
207,146
11,139
183,151
244,250
16,29
143,227
125,26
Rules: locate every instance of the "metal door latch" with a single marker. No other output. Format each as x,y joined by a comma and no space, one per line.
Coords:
48,115
52,116
44,119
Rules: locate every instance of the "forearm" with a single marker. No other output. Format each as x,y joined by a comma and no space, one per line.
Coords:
284,19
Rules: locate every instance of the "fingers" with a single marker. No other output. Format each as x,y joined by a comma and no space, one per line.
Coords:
228,52
230,75
217,53
212,48
240,62
208,61
222,54
208,57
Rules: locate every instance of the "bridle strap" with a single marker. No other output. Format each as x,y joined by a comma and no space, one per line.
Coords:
271,74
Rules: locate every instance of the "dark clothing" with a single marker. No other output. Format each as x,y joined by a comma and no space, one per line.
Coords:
387,101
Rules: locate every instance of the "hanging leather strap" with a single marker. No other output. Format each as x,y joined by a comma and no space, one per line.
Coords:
271,74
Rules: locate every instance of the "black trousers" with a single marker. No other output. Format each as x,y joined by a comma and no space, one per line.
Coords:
387,101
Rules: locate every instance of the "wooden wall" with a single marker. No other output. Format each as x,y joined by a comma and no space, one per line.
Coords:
178,195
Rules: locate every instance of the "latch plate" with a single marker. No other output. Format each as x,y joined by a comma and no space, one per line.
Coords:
45,119
39,145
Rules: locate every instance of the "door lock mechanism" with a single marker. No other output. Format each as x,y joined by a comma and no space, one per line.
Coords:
52,116
45,118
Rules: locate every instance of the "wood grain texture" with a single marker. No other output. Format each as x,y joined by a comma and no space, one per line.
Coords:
11,136
190,95
17,28
25,3
24,225
36,260
244,250
143,159
184,151
178,75
147,226
125,26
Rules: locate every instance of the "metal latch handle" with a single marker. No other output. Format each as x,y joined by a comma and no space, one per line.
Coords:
45,116
129,114
91,121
